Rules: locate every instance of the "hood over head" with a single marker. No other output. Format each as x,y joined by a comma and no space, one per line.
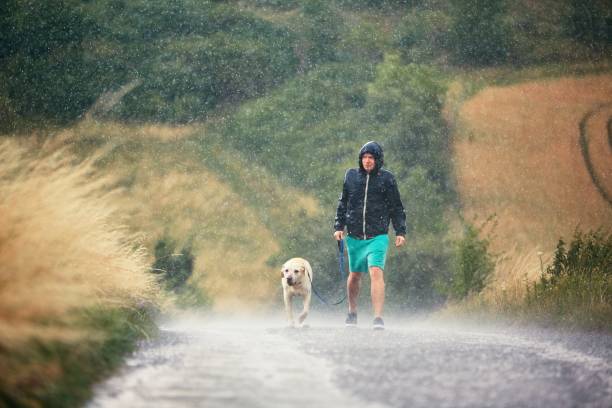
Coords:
375,150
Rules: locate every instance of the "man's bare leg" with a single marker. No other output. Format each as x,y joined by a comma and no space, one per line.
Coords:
377,290
353,284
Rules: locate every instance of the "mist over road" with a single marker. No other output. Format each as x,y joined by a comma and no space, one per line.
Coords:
252,362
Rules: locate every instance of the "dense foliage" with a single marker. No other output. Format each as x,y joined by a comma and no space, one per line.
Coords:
174,269
192,57
576,288
473,264
588,254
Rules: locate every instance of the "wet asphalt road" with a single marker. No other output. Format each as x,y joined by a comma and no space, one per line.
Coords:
258,363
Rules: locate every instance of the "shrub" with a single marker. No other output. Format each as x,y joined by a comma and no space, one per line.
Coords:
479,34
45,70
472,264
423,36
406,102
173,268
588,254
363,42
320,26
576,288
589,21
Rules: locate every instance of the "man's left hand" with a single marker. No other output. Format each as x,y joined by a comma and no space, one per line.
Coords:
399,241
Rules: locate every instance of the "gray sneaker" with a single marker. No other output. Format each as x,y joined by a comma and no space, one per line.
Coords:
351,319
378,324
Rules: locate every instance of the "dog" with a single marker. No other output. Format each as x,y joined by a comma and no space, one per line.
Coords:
296,279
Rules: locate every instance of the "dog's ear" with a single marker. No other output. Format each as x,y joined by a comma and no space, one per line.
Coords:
281,271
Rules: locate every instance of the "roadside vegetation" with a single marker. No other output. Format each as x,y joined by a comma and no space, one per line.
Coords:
576,288
573,290
75,292
227,126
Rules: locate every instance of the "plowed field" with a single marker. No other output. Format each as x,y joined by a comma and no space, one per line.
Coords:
539,156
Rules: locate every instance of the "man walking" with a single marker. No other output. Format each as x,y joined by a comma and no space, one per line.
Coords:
369,200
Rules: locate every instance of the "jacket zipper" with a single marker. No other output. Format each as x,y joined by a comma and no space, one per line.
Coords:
365,203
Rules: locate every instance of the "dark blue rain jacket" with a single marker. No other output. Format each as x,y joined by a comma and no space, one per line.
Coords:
368,203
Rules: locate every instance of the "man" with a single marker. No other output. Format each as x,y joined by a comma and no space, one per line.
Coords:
369,200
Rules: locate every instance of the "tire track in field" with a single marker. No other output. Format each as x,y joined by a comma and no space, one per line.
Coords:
585,142
610,133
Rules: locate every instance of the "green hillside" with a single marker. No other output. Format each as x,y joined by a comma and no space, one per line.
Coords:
285,93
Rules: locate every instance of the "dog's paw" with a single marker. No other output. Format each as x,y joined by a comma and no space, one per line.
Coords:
303,317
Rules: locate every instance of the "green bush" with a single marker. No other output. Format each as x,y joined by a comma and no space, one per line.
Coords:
405,101
590,22
472,264
479,34
320,26
576,288
588,254
173,268
44,69
424,36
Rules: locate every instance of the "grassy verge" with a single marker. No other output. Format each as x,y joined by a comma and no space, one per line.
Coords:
574,291
61,372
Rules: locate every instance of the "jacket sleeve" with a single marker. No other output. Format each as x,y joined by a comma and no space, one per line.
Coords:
396,208
340,221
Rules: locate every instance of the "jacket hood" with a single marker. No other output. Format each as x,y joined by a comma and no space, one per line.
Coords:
375,150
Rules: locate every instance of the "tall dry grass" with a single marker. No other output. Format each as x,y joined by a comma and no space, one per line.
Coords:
61,247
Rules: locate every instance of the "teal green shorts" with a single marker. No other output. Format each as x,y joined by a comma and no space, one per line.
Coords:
365,253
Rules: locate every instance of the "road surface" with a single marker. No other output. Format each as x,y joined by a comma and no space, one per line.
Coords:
256,362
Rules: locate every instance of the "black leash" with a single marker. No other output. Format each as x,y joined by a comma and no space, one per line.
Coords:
342,275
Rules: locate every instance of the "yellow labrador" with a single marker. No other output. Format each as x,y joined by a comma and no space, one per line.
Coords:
296,276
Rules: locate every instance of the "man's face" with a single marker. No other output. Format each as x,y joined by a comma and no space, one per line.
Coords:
368,162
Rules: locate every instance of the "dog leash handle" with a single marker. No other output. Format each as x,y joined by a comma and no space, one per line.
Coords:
341,267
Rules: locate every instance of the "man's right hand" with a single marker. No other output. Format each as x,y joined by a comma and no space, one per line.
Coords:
338,235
